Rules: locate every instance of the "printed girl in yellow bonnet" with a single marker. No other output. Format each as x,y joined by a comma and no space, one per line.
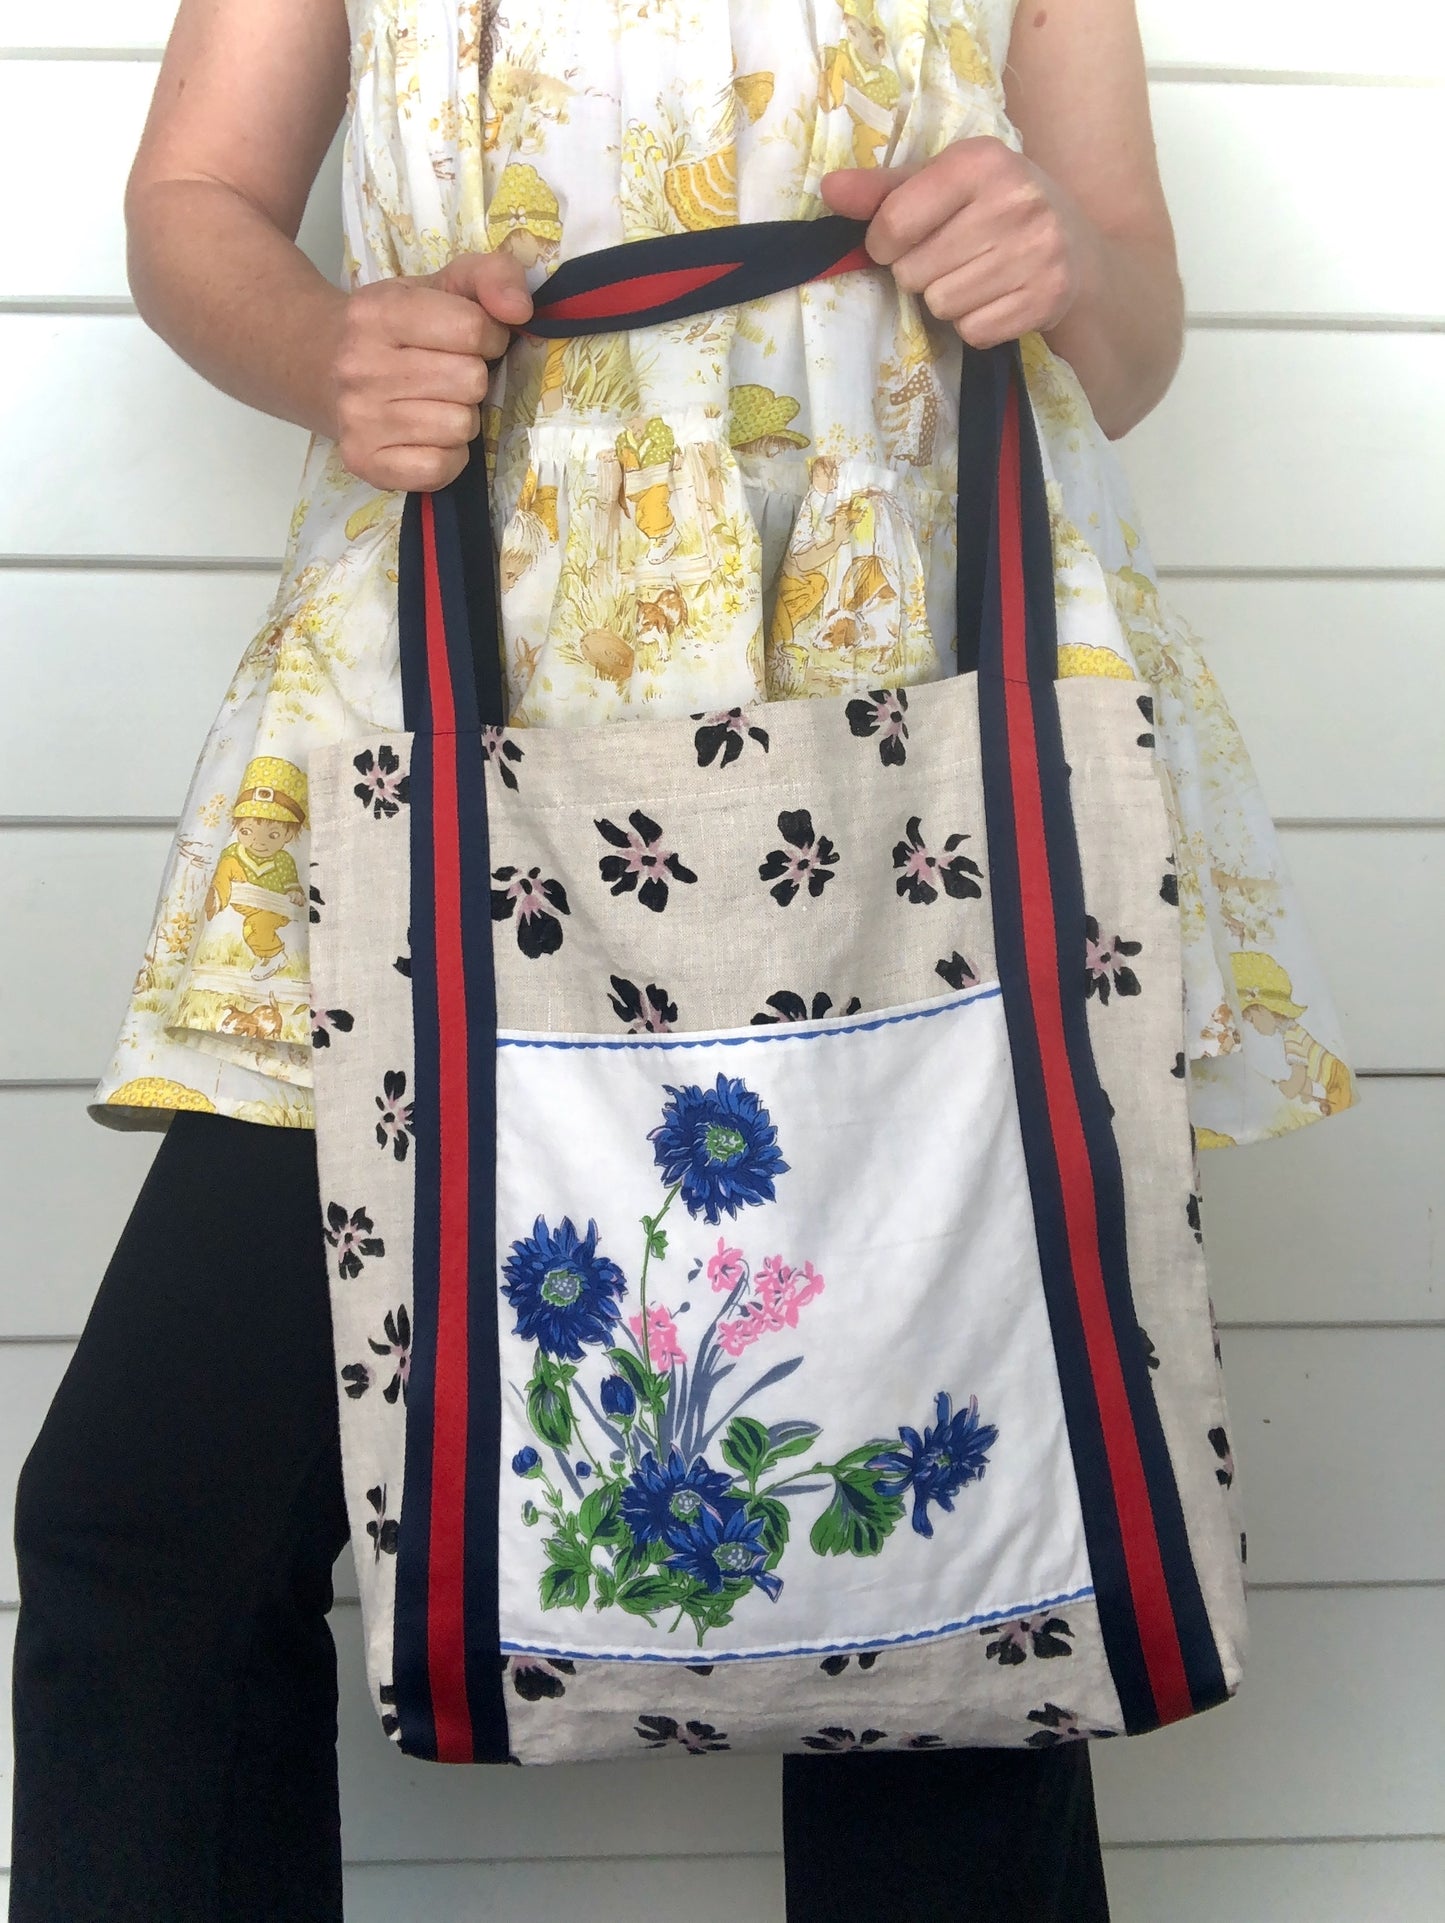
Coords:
859,63
269,813
1267,1003
525,221
646,453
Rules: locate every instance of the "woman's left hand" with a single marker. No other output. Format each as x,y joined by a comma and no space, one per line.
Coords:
987,240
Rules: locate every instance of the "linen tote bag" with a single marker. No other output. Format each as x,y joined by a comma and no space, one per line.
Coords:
769,1303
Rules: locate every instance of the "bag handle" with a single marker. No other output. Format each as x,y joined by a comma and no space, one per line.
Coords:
448,1678
447,560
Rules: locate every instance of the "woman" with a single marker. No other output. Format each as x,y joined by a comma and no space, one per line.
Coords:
754,505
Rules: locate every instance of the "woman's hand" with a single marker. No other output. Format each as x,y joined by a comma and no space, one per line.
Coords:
1074,241
247,101
983,236
409,368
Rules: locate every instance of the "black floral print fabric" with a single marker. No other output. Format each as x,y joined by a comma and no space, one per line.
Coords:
350,1234
537,902
882,714
382,787
1107,964
643,1011
644,865
721,737
921,874
807,862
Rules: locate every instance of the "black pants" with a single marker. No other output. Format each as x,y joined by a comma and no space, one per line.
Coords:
175,1679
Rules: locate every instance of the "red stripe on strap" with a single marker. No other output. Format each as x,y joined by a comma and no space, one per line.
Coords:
856,258
636,296
446,1637
1148,1585
644,292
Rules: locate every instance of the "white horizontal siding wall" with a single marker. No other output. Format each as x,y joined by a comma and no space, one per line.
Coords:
1290,488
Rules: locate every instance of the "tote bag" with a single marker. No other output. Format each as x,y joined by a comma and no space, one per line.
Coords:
769,1301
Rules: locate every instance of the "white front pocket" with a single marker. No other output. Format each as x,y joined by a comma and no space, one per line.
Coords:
849,1430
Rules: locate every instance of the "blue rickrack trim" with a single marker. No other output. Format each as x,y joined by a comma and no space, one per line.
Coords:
765,1032
687,1656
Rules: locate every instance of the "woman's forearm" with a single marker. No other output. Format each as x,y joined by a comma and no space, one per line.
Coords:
1124,334
1078,94
235,298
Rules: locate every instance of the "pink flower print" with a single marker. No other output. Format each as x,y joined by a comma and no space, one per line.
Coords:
735,1336
781,1292
663,1348
782,1295
811,1285
727,1268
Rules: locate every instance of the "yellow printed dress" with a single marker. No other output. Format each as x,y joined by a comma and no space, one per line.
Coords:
756,504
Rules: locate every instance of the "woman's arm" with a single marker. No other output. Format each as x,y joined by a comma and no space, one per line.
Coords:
247,100
246,103
1078,95
1074,241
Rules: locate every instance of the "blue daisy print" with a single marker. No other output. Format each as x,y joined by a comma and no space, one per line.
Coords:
718,1146
935,1466
722,1548
663,1501
565,1293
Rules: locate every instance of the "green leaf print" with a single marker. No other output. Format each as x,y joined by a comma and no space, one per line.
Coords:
859,1519
549,1405
745,1447
568,1573
598,1518
708,1609
649,1595
789,1439
774,1517
629,1367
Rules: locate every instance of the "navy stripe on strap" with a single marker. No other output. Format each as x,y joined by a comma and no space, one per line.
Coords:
643,283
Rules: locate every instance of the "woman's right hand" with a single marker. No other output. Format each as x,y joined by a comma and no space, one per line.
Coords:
409,371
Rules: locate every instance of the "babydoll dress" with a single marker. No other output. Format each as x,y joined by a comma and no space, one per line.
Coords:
755,504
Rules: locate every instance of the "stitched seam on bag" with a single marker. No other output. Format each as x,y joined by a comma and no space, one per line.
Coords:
784,1032
908,1637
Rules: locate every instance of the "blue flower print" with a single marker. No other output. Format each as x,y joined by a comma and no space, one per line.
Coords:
525,1461
936,1466
618,1399
726,1546
565,1293
663,1501
719,1146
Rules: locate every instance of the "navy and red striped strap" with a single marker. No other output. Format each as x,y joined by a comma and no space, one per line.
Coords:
448,1670
647,282
1156,1630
